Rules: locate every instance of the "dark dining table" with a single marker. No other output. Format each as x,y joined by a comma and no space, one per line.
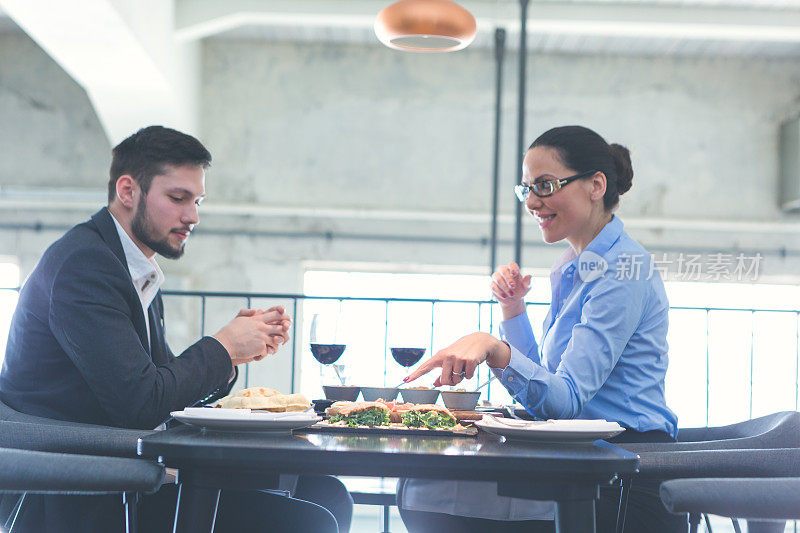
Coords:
209,461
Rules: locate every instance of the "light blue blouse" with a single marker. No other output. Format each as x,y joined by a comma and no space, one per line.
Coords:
604,348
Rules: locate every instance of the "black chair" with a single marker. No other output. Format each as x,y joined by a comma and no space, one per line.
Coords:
718,467
50,435
777,430
32,472
666,461
22,431
766,503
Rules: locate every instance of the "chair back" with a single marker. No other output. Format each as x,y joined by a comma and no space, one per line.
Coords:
9,414
777,430
29,432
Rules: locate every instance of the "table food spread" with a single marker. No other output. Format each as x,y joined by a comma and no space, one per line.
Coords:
249,434
267,410
386,416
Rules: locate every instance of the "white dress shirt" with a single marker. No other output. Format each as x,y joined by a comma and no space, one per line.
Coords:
146,275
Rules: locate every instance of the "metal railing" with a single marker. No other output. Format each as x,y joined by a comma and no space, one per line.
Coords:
703,362
705,347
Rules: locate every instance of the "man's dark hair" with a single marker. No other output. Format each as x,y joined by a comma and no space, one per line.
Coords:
144,154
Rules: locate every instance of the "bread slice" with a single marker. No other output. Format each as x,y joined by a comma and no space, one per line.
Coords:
263,399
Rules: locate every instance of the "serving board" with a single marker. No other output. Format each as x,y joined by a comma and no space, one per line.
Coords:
392,429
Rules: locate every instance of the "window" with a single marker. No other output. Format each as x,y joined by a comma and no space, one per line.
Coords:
9,281
735,356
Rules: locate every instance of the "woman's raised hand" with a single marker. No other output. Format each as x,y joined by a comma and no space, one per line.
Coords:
509,288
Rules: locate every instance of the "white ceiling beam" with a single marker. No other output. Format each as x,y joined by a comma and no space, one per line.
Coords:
123,53
197,19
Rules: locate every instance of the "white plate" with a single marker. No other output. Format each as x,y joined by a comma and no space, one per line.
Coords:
246,420
550,430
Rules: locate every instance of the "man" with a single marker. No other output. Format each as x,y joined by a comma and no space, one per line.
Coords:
87,343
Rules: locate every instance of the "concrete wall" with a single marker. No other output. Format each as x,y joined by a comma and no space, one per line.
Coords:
50,135
324,126
348,126
339,126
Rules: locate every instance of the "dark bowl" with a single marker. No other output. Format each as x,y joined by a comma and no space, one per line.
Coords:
321,405
460,400
341,393
370,394
420,396
327,353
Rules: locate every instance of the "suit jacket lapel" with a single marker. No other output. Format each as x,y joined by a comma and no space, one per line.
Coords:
108,231
158,345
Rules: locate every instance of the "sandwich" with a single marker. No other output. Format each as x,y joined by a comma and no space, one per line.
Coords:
355,414
396,410
428,416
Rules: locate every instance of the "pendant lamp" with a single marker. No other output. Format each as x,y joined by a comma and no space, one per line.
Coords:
425,26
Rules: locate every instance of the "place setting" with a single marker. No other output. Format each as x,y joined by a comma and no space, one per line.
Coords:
254,409
572,430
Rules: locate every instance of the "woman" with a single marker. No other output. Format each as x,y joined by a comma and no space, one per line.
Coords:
604,350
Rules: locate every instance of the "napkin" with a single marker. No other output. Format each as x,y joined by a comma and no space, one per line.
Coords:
216,413
584,425
577,425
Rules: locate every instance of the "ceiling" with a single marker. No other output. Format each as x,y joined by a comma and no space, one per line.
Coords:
760,28
769,28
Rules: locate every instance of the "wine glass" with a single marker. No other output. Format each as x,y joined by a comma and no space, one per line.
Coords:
327,353
409,332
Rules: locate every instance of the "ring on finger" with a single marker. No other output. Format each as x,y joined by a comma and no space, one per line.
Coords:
462,374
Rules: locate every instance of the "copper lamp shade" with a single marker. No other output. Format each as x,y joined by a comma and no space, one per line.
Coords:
425,26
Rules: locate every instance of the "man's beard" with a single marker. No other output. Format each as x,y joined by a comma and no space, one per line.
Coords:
144,231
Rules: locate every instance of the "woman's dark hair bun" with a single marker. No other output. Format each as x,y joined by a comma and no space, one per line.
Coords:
622,162
584,150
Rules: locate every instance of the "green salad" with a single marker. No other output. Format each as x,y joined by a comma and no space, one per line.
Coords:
372,416
430,419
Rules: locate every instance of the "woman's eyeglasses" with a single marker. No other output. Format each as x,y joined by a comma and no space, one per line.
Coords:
546,187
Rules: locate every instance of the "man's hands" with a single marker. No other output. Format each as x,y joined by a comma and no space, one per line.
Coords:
459,360
254,334
509,288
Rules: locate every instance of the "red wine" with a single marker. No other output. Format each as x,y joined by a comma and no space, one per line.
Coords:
407,356
327,353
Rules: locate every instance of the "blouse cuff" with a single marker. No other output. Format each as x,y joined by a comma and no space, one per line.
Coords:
518,332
